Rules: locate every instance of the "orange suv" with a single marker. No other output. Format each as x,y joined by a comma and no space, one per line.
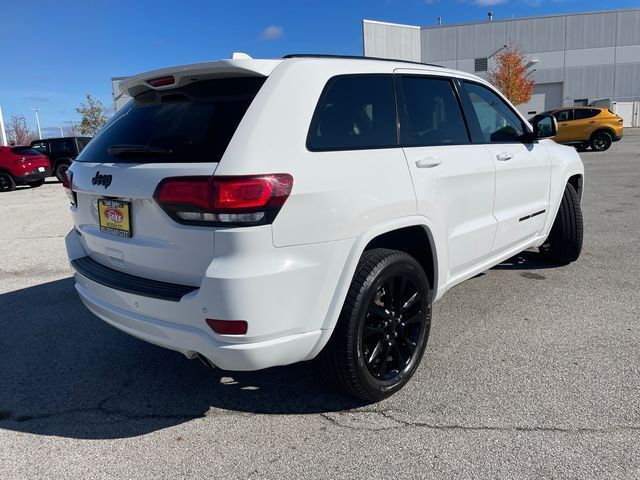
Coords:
587,126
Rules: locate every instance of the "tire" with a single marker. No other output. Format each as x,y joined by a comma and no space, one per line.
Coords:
36,184
582,147
6,182
601,141
564,243
60,170
383,328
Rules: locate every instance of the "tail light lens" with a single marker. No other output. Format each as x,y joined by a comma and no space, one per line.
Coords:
67,184
224,201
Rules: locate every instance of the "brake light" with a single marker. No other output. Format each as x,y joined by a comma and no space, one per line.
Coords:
224,201
67,184
228,327
161,81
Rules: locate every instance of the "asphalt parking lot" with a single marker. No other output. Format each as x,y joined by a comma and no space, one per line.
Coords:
531,371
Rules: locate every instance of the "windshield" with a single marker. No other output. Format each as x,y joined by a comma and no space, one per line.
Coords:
193,123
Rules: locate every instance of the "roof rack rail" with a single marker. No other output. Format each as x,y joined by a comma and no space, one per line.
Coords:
355,57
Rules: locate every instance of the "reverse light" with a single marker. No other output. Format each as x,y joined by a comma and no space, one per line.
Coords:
224,201
228,327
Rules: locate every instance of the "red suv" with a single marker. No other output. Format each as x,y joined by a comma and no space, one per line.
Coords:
22,166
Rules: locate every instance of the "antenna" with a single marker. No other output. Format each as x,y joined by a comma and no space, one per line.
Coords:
490,15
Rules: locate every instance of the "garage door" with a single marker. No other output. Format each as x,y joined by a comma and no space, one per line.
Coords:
546,96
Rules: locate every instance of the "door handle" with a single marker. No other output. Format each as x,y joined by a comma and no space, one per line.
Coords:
564,124
428,162
504,156
592,121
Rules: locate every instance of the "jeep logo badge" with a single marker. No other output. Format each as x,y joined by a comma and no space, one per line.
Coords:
101,179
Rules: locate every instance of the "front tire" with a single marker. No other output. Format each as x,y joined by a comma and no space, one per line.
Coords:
6,182
601,141
383,328
564,243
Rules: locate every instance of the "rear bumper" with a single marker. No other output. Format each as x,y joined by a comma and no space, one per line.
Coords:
32,176
283,294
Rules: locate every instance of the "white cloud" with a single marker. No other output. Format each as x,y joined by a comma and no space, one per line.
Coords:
272,32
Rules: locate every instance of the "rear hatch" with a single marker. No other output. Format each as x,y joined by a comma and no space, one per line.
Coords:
161,133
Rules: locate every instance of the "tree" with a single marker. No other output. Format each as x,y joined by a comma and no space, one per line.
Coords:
93,116
18,132
509,75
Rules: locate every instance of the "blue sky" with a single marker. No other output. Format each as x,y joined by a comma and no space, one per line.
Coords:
55,52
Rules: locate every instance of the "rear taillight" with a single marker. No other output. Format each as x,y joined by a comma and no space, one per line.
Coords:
67,184
224,201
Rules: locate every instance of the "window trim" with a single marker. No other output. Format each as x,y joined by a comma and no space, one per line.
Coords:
401,101
323,96
476,131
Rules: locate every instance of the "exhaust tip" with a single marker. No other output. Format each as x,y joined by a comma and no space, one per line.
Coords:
205,361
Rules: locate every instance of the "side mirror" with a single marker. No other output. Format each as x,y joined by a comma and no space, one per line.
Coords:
544,126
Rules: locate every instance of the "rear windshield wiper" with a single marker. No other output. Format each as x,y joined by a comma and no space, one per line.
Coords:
129,151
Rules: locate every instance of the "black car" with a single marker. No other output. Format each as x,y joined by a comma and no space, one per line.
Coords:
61,152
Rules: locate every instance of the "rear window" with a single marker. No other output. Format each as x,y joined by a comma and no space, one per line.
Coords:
24,151
193,123
355,112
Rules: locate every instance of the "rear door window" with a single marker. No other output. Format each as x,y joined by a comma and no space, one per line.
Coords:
62,146
584,113
431,113
355,112
194,123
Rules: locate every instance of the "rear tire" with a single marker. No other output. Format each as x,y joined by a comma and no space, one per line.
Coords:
60,170
601,141
6,182
383,328
36,184
564,243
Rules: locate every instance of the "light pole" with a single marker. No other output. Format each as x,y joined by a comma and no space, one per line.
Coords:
36,110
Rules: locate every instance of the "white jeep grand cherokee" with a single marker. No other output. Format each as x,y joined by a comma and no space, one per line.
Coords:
256,213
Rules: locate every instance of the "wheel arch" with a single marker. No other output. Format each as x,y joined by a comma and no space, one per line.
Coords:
608,130
388,235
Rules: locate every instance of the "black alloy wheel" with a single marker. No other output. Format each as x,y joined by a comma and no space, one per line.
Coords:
394,325
6,182
383,328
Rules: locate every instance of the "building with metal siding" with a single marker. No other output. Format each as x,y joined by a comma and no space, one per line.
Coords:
575,59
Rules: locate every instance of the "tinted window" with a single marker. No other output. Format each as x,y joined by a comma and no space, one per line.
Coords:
82,142
432,114
564,115
27,151
40,146
62,146
193,123
498,122
356,111
582,113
